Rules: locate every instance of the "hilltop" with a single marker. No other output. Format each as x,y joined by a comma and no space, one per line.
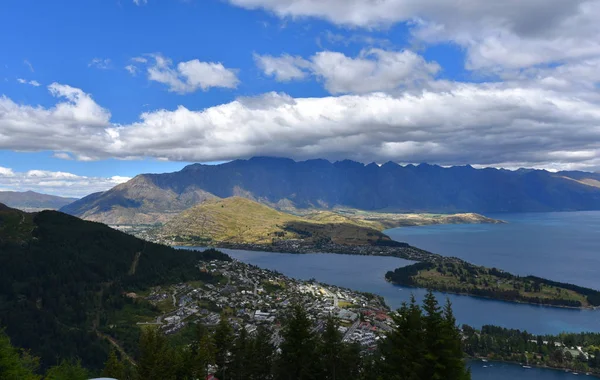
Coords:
241,220
32,201
320,184
62,282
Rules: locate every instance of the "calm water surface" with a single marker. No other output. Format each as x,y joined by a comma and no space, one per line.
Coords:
502,371
562,246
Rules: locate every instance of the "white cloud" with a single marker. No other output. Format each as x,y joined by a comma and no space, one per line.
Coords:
495,34
283,68
373,70
192,75
62,155
140,2
500,124
6,172
131,69
57,183
100,63
33,83
29,65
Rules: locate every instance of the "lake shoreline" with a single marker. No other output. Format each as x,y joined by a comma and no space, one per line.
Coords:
559,369
591,308
402,251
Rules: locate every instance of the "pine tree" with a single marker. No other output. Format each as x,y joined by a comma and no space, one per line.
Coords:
205,355
331,351
241,353
14,364
67,370
396,363
453,350
223,339
433,323
263,353
298,359
113,367
156,358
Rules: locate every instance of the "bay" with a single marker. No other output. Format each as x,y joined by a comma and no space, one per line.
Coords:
561,246
503,371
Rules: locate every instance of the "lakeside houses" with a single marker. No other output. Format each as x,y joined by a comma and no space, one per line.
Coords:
250,297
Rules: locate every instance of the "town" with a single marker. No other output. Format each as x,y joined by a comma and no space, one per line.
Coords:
250,297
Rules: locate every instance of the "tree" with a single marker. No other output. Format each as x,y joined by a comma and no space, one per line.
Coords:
403,349
156,358
433,324
263,353
113,367
452,347
223,339
241,354
298,359
338,359
67,370
14,363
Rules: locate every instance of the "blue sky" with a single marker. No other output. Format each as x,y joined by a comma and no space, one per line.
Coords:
237,78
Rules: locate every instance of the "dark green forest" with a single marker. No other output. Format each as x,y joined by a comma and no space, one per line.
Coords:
62,281
497,343
425,345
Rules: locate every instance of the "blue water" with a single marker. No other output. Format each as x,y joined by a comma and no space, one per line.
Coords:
503,371
561,246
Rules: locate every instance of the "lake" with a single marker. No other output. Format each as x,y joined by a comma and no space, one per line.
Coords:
503,371
561,246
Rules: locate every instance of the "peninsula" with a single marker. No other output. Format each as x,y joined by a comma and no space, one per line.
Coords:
463,278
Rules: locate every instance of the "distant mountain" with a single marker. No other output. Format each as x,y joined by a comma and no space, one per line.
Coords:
284,183
241,220
63,280
32,200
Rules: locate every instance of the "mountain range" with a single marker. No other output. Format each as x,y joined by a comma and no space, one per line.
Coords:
30,200
287,184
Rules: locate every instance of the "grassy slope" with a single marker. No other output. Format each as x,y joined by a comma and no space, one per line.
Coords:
474,280
385,220
240,220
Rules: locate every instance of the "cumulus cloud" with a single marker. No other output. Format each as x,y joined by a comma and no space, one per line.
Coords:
284,68
496,35
33,83
57,183
100,63
190,76
497,124
373,70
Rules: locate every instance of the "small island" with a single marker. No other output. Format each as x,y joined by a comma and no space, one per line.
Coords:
463,278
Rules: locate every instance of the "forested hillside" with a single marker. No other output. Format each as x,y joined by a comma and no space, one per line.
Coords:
424,345
62,280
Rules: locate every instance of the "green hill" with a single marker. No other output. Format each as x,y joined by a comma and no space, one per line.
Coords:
240,220
62,282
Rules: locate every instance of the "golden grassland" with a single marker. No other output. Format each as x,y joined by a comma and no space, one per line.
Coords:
241,220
